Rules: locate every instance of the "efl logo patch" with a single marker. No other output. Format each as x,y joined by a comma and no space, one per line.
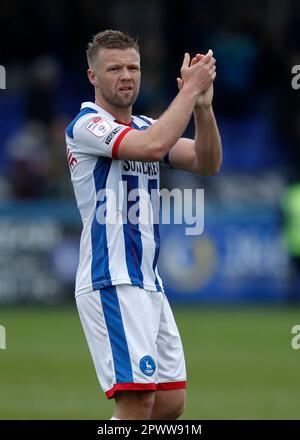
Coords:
147,365
98,126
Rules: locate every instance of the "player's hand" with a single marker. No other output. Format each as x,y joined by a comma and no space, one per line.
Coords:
205,98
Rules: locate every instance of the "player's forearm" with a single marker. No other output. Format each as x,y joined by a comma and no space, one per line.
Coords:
208,147
171,125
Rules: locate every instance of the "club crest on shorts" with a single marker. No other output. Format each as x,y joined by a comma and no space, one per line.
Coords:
147,365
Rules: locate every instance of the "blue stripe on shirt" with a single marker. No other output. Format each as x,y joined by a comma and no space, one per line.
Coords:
134,125
145,119
132,236
84,111
100,264
154,198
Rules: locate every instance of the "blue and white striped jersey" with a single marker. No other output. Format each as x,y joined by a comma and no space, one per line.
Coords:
110,194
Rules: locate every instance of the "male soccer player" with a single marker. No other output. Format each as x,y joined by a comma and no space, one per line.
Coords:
126,317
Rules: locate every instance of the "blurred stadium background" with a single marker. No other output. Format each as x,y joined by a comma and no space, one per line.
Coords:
235,288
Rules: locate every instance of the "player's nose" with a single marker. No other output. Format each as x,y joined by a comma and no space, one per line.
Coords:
125,73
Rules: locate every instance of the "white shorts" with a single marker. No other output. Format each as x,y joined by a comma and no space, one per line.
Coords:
133,339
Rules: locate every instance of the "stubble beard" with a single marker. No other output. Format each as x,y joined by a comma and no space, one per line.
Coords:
120,101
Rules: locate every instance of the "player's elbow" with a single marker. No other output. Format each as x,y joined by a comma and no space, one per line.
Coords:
213,169
217,166
156,152
210,169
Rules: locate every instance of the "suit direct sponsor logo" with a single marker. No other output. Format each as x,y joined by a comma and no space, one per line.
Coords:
149,168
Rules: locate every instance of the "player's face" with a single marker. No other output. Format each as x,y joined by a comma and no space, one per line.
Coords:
119,76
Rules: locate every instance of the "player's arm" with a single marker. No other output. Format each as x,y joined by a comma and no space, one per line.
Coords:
155,142
203,155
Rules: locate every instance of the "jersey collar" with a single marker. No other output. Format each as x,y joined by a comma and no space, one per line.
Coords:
100,110
97,107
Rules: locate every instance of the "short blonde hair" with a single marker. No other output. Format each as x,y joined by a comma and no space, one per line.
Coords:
112,40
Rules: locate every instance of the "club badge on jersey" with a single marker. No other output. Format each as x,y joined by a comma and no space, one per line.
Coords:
98,126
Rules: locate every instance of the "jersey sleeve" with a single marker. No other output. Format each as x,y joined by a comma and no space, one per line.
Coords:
97,136
148,120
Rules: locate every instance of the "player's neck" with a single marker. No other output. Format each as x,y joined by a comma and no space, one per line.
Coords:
122,115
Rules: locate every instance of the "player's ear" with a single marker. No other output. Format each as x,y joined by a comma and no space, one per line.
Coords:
92,77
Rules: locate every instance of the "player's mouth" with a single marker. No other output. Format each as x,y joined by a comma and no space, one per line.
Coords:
125,89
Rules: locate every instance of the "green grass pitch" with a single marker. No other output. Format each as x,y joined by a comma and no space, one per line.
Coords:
240,365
